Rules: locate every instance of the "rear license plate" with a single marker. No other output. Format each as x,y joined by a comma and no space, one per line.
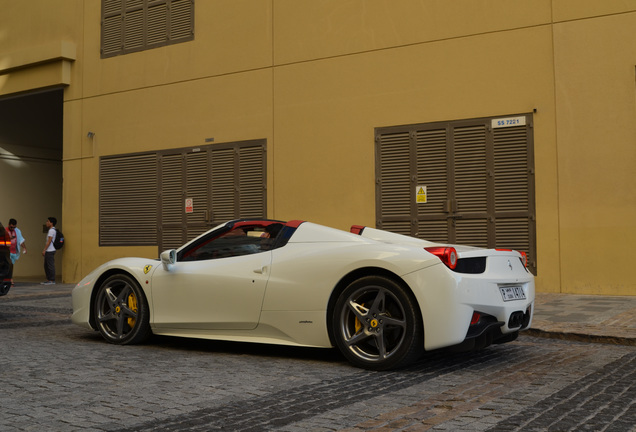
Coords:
510,293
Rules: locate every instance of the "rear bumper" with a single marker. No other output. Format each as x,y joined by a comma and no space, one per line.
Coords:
448,300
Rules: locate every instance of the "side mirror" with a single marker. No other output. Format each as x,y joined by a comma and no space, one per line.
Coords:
168,258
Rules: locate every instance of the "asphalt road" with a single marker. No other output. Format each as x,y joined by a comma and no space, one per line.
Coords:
55,376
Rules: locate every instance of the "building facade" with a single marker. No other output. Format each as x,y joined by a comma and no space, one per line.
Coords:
478,122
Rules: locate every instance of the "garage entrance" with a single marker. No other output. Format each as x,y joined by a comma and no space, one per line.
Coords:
31,129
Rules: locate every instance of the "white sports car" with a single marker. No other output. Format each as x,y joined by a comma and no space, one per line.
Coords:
381,298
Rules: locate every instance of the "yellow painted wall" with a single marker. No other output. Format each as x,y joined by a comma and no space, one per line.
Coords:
314,30
219,86
230,36
316,78
596,149
327,109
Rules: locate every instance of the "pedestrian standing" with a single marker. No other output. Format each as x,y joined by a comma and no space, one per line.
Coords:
49,252
18,243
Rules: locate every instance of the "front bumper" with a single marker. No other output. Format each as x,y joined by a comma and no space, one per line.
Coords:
81,300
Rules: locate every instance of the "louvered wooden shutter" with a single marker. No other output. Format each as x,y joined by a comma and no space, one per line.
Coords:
197,190
171,201
112,27
181,20
141,195
238,182
479,180
157,24
133,30
134,25
197,186
394,182
471,185
223,185
127,200
514,190
251,187
432,172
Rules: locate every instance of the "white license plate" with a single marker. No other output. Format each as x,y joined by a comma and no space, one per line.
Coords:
510,293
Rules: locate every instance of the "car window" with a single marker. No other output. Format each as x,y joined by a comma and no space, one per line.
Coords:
241,240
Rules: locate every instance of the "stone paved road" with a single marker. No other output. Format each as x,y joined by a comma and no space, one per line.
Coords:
58,377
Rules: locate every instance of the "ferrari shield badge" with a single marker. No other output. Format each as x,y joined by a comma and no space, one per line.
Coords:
147,269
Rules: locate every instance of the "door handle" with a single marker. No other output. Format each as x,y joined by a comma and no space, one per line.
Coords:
260,270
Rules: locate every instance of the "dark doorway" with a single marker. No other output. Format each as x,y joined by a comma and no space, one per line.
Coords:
31,147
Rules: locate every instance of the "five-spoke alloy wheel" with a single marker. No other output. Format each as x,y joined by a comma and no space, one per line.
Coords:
121,311
377,325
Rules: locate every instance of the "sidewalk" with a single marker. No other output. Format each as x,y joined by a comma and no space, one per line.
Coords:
586,318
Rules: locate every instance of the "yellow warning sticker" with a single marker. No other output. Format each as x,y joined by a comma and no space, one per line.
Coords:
420,194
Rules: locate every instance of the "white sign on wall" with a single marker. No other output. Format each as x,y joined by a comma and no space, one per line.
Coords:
508,122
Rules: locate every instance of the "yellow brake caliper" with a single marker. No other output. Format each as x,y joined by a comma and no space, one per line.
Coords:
132,304
357,323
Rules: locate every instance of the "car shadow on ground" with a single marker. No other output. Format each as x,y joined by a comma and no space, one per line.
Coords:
430,362
194,345
247,348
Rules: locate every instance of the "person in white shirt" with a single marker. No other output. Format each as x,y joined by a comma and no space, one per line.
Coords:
49,252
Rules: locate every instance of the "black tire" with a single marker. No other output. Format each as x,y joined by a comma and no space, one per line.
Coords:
377,325
121,311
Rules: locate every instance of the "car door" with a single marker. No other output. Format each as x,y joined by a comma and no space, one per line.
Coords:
221,288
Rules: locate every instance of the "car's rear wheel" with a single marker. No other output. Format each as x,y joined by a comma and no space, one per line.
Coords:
121,311
377,325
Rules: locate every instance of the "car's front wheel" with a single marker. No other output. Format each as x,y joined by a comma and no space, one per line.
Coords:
377,325
121,311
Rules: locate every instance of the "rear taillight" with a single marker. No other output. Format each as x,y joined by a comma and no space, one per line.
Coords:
447,254
475,319
5,240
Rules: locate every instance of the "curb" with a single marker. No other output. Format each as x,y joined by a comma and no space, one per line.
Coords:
580,337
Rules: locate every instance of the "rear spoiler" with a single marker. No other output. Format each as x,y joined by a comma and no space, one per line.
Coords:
357,229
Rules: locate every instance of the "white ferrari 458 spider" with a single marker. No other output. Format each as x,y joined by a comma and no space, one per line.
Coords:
381,298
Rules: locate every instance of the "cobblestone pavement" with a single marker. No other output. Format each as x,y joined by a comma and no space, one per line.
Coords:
55,376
